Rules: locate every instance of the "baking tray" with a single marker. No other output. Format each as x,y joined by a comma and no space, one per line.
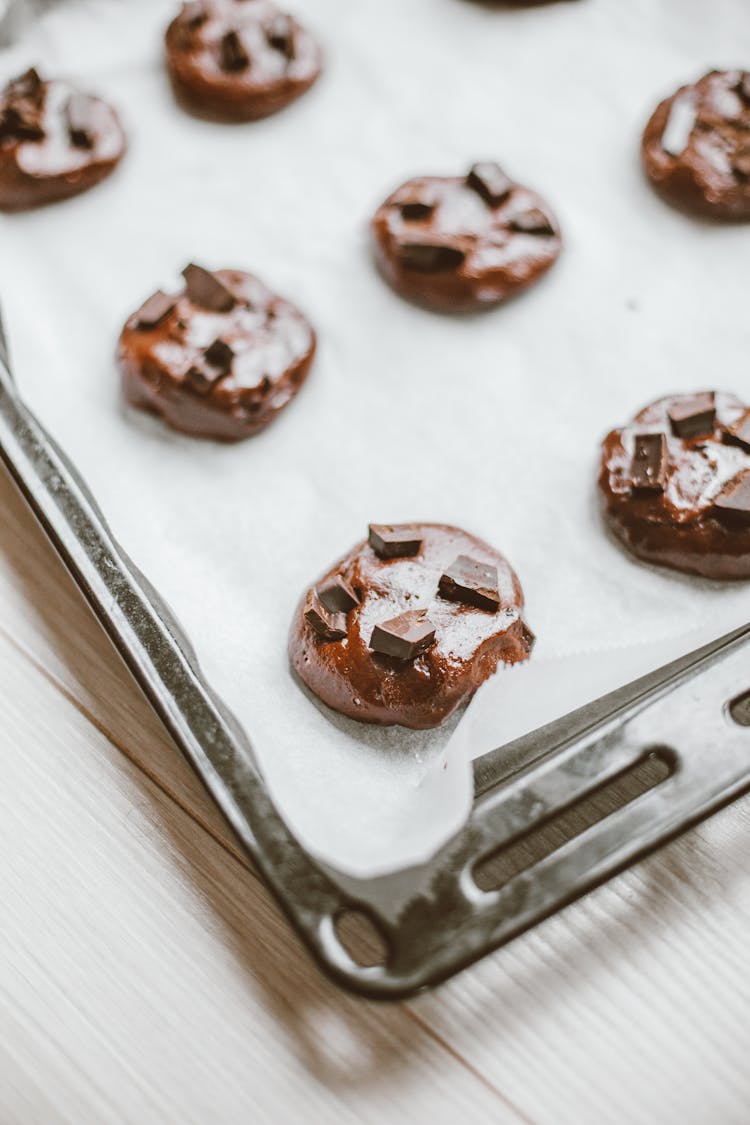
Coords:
606,784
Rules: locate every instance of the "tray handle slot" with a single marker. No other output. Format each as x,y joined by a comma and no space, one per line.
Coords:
499,866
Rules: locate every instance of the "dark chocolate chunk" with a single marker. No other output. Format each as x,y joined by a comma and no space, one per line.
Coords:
280,35
328,626
337,595
22,115
404,637
741,162
22,121
490,182
471,582
194,13
739,433
648,469
28,85
394,541
694,416
78,120
430,257
232,53
156,308
733,504
219,355
202,379
415,211
532,222
205,289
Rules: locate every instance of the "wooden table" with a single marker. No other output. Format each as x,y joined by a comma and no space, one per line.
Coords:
148,977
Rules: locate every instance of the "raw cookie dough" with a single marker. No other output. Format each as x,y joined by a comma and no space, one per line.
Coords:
406,626
675,484
55,142
460,243
239,60
221,359
696,147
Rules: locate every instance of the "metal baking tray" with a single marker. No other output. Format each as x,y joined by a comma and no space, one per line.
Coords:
555,813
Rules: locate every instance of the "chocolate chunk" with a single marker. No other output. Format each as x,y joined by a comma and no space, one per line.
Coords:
280,35
404,637
337,595
394,541
694,416
648,469
328,626
232,53
532,222
156,308
78,120
205,289
429,257
201,379
22,121
490,182
733,504
22,115
471,582
28,86
415,211
194,13
219,355
739,433
741,162
743,87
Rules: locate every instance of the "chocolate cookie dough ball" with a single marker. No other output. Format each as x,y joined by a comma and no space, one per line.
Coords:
406,627
239,60
55,142
460,243
675,484
696,147
221,359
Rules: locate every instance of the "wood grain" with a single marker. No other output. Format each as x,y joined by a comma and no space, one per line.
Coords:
146,978
44,616
630,1006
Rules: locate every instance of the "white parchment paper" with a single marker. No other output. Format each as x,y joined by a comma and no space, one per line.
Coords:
493,421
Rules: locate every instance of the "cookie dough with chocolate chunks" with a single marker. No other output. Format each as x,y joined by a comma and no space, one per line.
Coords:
221,359
55,142
460,243
675,484
408,624
239,60
696,147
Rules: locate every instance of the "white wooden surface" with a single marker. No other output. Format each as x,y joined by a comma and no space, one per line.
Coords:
147,977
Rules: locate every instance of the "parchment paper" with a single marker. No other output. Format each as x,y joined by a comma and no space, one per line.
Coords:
490,422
